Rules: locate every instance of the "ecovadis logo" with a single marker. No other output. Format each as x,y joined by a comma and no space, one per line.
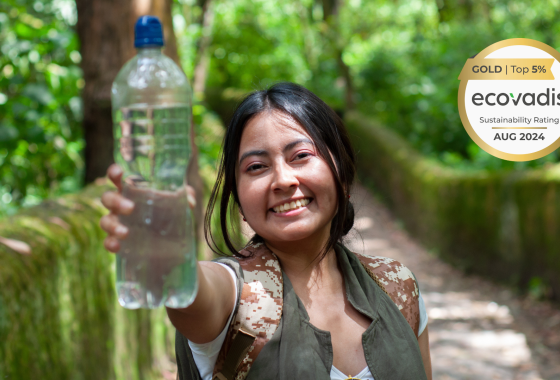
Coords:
529,98
508,99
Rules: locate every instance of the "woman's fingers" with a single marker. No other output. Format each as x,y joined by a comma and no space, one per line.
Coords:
110,224
114,172
117,203
112,244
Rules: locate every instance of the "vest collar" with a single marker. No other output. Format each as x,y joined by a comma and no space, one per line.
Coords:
359,292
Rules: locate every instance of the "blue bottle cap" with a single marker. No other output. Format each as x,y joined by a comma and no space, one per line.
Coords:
148,32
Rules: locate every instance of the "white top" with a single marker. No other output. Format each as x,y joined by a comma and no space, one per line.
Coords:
206,354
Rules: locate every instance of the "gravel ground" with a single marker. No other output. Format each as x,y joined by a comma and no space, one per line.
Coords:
478,329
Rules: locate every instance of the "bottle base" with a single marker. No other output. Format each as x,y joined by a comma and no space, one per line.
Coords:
132,296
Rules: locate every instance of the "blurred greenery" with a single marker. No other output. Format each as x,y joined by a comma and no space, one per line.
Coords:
40,107
260,42
410,81
403,60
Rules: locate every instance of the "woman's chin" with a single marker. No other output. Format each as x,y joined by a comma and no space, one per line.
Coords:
291,234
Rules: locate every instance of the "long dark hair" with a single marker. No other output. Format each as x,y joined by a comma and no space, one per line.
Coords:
331,140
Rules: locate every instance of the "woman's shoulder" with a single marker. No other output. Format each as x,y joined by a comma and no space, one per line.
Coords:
387,268
255,262
400,284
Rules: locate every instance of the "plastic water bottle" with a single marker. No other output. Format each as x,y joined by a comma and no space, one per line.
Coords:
151,99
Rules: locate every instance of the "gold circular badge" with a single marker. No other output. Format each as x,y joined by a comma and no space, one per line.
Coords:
509,99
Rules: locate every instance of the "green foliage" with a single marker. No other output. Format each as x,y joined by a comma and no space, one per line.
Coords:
409,81
404,58
274,52
59,318
40,108
537,288
210,133
257,43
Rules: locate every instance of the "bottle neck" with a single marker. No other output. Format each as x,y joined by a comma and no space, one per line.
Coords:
149,51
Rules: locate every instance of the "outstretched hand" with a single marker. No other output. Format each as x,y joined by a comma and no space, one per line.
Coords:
119,205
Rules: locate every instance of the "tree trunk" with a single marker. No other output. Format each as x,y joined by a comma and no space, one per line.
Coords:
332,35
202,62
203,56
106,43
106,32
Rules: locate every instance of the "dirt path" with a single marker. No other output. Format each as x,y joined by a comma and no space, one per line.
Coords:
478,330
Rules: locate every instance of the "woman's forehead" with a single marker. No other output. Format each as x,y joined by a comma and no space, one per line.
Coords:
270,128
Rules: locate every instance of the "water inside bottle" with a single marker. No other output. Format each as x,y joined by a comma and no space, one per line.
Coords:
156,264
157,261
152,143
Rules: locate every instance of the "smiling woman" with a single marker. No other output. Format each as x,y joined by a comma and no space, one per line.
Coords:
286,133
294,302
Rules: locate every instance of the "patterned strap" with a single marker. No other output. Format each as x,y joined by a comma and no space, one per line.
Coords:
259,310
239,347
398,282
374,277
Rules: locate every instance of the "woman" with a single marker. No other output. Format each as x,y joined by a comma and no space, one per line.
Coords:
288,166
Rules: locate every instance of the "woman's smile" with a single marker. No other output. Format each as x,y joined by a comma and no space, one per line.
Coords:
291,207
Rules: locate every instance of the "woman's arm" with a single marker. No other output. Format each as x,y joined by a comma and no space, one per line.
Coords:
206,317
424,343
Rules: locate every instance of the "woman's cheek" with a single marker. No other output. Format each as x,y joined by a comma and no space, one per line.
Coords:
252,200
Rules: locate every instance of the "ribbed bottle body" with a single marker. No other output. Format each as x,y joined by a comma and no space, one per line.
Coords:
156,264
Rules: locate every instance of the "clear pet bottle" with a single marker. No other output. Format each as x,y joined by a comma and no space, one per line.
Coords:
151,101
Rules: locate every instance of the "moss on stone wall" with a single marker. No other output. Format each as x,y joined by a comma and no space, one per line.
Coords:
59,318
502,224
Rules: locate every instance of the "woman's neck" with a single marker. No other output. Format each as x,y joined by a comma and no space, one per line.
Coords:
302,264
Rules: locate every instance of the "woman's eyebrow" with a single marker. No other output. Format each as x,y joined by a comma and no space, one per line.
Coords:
295,143
253,153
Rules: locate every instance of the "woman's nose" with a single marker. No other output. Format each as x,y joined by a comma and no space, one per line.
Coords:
284,177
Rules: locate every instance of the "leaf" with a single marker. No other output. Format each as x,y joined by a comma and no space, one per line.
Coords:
8,132
38,92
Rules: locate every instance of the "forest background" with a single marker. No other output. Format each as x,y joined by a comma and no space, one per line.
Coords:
393,61
397,61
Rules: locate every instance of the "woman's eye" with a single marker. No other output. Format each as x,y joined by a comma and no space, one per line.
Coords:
254,167
303,155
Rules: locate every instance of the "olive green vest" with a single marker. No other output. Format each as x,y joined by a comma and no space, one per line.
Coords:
300,350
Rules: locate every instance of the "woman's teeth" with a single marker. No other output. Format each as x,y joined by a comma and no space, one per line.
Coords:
292,205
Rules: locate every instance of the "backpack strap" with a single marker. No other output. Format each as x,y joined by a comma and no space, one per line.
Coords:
398,282
258,314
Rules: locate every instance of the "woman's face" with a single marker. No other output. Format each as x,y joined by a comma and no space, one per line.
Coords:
286,190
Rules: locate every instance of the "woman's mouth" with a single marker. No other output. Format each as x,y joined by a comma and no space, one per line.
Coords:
290,206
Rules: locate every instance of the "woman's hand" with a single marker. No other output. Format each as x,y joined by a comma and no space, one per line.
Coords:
205,318
119,205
